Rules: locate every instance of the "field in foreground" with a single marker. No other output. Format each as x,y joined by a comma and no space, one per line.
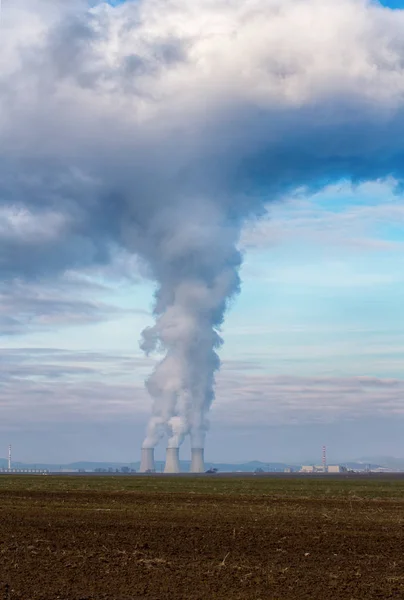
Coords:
203,538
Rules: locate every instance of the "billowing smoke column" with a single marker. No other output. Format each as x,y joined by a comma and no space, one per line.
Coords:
147,461
172,461
197,461
197,270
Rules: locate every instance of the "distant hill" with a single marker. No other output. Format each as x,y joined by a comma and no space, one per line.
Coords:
361,466
250,467
385,461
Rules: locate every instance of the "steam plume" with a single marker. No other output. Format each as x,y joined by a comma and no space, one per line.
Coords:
198,274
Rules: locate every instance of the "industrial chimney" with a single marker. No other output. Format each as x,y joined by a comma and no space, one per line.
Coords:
197,462
9,457
172,461
147,461
324,459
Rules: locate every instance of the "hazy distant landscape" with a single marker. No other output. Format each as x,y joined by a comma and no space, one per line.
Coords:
394,464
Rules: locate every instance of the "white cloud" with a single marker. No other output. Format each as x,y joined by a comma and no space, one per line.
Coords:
52,385
20,224
330,274
342,216
252,399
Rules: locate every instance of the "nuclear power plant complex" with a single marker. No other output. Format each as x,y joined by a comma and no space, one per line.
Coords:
172,464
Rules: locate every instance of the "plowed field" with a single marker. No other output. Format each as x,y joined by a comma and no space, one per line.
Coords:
201,538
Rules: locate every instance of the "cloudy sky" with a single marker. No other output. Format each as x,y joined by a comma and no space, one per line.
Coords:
289,117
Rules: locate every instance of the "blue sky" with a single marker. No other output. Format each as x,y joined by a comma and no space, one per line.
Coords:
129,132
393,3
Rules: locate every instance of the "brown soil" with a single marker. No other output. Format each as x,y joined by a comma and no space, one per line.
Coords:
160,545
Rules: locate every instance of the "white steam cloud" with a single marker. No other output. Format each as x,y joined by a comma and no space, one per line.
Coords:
197,271
160,127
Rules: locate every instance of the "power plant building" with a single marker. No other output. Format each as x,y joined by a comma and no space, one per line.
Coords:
336,469
172,461
197,461
147,461
322,469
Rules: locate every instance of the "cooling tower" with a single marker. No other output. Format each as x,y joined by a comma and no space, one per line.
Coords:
172,461
147,461
197,462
